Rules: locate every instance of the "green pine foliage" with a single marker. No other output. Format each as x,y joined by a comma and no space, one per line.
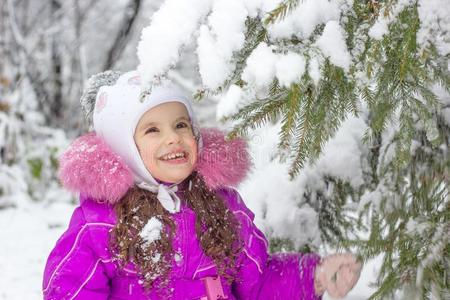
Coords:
281,11
310,114
393,80
410,225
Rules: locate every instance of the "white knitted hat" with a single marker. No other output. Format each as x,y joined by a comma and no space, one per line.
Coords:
118,109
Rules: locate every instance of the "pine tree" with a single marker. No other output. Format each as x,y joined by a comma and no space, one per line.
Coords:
395,80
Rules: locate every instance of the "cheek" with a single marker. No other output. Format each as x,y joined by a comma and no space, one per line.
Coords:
147,153
194,148
147,156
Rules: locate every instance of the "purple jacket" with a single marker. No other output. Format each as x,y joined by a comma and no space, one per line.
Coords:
81,267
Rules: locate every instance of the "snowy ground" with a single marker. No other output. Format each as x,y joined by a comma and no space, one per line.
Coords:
27,235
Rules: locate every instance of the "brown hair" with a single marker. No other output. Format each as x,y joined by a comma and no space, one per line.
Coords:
216,228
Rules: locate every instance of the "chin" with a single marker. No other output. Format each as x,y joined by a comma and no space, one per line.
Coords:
176,179
170,176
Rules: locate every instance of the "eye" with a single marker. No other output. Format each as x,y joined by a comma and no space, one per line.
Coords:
151,130
182,125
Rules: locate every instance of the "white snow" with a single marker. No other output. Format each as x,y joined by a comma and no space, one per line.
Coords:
220,25
229,102
213,68
380,28
263,65
435,24
289,68
281,214
260,68
151,231
314,69
260,7
342,155
217,43
171,28
155,258
302,21
332,44
28,234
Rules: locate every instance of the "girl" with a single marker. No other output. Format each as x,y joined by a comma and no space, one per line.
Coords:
158,217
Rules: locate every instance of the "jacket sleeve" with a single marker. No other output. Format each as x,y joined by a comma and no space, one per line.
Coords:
73,269
264,276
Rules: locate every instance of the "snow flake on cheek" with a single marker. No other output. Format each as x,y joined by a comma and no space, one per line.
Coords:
101,102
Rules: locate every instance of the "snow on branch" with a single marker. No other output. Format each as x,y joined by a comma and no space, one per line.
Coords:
172,27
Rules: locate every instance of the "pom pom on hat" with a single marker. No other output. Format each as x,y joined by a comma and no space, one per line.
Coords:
94,83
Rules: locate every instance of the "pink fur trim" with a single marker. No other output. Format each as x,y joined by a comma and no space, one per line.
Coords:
221,162
90,167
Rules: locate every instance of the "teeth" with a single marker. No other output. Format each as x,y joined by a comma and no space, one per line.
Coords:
173,155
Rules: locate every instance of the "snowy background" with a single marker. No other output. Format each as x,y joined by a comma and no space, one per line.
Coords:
56,47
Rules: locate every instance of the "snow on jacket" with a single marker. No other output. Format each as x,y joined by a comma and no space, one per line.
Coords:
81,266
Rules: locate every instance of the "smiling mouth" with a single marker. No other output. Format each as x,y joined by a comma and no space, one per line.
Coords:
180,155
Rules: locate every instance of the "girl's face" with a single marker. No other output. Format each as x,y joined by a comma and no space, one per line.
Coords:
166,142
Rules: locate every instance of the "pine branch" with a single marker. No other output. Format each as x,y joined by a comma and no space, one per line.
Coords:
256,114
397,86
290,116
422,198
281,11
255,34
302,137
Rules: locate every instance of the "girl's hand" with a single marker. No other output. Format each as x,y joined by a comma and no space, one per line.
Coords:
337,274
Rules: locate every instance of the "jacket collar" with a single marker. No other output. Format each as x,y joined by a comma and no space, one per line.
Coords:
90,167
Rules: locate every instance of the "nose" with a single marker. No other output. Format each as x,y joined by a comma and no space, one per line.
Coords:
173,137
